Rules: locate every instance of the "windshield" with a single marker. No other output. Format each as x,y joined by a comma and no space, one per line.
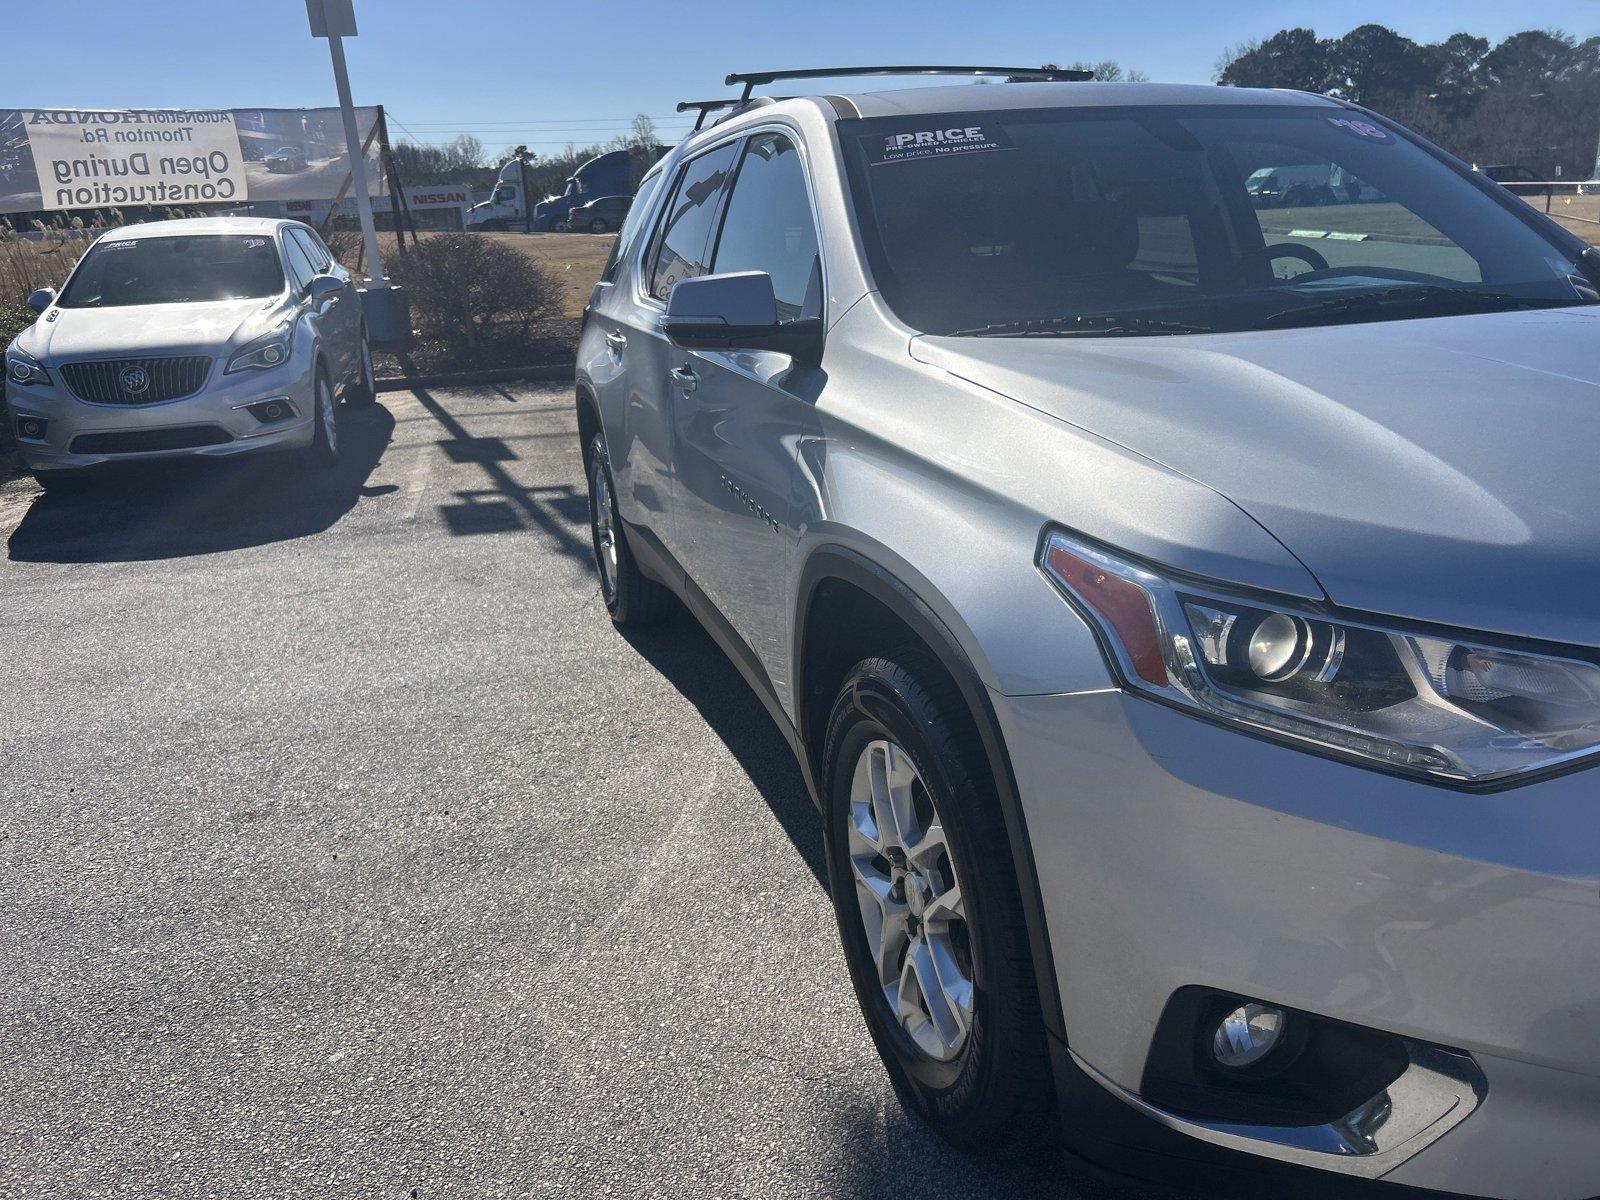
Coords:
1155,220
169,270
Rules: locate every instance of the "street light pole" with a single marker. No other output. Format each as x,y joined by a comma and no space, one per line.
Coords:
388,321
358,163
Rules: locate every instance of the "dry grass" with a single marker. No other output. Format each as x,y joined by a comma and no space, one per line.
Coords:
27,263
575,259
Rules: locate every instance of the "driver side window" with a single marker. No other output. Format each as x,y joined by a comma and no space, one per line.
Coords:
301,272
769,226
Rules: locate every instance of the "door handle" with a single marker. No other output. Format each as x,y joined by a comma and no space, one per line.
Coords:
684,377
616,341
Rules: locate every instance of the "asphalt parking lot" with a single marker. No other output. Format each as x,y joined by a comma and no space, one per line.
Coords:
347,850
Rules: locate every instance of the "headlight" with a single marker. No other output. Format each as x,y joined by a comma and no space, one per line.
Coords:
1441,707
25,369
270,350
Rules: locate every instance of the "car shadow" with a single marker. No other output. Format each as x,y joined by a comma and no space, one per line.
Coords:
684,653
176,508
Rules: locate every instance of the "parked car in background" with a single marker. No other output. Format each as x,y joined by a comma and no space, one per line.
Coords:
212,337
601,215
1302,185
285,160
1185,625
1520,181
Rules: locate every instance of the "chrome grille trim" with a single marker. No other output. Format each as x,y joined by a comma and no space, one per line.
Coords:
171,377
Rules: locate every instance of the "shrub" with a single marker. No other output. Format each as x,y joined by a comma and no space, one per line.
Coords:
465,288
14,318
344,245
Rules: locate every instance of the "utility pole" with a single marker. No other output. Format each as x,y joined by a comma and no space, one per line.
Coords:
387,319
527,197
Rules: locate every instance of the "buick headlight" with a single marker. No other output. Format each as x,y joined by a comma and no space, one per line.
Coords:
272,349
1437,706
25,369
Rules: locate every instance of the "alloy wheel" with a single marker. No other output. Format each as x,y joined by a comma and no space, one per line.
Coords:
326,415
910,899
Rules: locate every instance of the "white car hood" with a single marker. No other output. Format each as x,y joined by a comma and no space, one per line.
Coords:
149,329
1442,469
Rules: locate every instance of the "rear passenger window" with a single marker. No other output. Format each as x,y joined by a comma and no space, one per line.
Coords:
630,227
769,226
682,242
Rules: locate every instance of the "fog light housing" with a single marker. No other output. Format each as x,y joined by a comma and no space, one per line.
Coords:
1247,1035
32,429
271,411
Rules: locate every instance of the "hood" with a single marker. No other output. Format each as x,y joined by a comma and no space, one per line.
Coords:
148,329
1441,469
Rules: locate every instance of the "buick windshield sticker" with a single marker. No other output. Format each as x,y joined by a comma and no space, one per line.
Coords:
912,144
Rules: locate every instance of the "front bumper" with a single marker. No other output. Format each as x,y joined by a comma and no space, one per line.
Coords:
222,403
1172,852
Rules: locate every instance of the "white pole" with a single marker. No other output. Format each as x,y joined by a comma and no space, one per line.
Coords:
358,163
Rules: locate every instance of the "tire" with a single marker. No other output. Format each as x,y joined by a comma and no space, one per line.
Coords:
598,225
632,598
1295,197
323,453
363,393
561,227
1322,197
991,1083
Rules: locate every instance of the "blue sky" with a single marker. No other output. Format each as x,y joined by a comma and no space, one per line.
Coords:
546,73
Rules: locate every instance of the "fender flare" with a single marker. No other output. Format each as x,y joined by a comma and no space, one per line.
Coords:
833,561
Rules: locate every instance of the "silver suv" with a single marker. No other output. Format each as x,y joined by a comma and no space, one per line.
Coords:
211,336
1182,610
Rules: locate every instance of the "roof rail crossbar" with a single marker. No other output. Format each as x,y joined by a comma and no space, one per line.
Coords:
706,107
754,79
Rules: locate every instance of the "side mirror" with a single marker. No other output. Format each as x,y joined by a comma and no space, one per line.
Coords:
41,299
738,312
324,288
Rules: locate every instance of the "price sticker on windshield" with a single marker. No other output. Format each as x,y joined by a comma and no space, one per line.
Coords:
911,145
1360,128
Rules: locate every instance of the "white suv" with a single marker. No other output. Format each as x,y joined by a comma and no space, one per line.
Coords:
210,337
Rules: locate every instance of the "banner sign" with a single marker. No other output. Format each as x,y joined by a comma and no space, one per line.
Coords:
57,159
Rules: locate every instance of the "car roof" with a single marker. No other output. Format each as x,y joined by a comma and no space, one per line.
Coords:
196,225
999,96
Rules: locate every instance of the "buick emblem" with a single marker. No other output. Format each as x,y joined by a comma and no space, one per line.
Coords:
134,379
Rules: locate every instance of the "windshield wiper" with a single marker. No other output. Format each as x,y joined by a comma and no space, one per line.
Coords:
1086,325
1405,298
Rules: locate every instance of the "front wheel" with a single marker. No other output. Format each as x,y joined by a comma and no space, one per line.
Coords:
323,452
364,391
598,225
928,905
632,598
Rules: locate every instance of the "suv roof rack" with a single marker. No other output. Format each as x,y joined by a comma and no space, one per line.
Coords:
753,79
705,108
